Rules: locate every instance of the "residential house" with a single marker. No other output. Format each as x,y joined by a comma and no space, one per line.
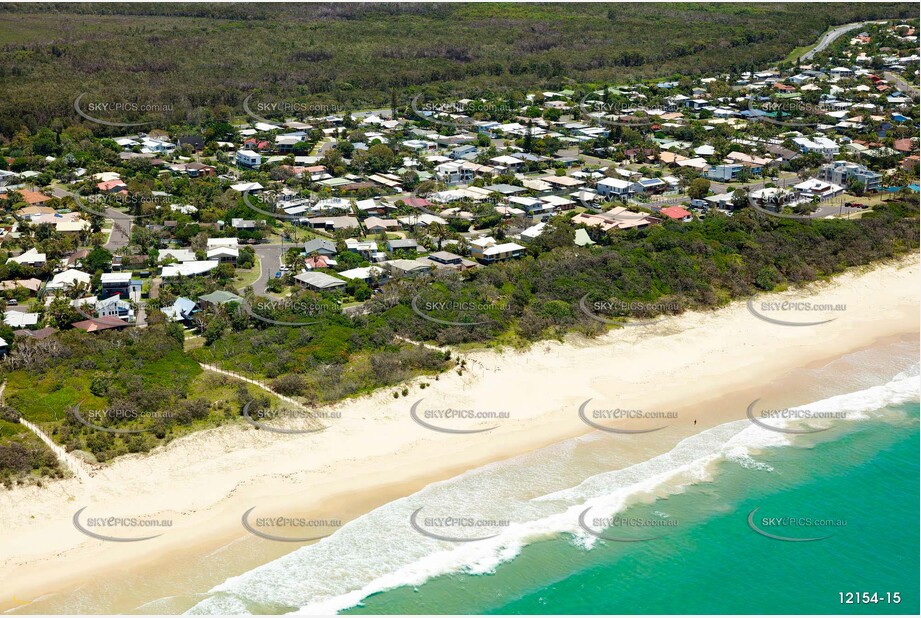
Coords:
178,255
677,213
67,280
818,144
182,310
531,234
319,261
376,225
725,173
463,152
99,324
650,185
402,244
488,250
446,259
333,223
842,172
30,258
248,159
368,274
34,198
118,284
219,297
408,268
112,186
614,188
320,282
505,161
815,188
320,246
618,218
195,142
198,170
114,306
20,319
189,269
224,254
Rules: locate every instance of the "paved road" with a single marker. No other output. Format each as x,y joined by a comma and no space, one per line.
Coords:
121,222
901,84
121,229
830,37
269,261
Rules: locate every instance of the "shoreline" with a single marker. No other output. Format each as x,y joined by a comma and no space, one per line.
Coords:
375,453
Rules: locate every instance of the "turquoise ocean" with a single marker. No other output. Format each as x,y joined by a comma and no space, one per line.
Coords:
693,530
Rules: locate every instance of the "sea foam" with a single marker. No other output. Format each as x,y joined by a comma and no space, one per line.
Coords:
380,551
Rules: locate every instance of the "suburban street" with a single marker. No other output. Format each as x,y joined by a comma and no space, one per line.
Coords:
269,261
121,229
901,84
121,222
829,37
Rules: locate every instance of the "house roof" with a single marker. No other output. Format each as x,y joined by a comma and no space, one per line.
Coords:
319,280
33,197
97,324
220,297
675,212
42,333
315,244
110,184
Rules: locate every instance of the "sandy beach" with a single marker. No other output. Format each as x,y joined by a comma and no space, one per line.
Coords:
375,451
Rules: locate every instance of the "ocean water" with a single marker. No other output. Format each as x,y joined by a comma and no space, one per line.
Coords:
712,562
573,529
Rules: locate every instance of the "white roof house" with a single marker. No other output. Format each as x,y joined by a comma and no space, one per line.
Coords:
115,278
20,319
189,269
32,256
223,252
180,255
68,279
223,242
